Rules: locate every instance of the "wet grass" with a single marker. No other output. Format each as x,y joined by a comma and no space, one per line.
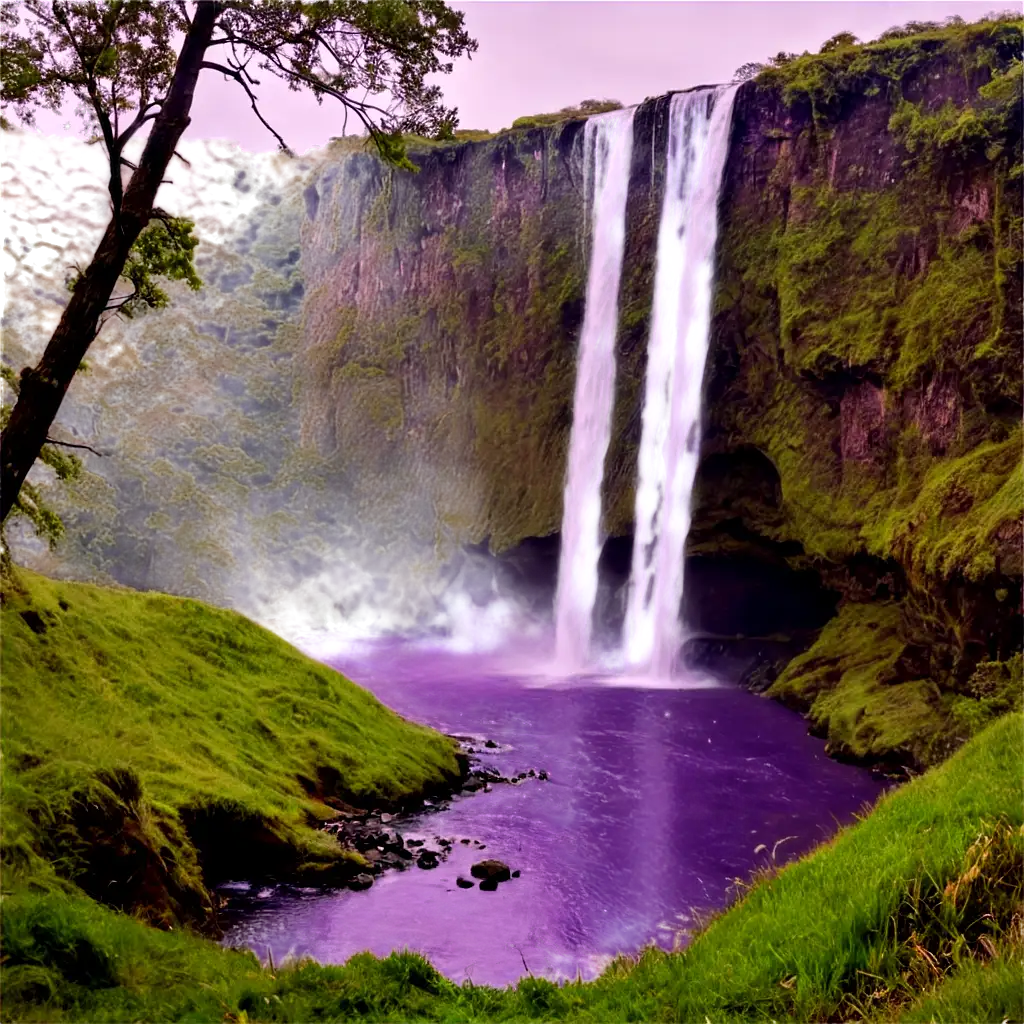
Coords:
913,911
152,742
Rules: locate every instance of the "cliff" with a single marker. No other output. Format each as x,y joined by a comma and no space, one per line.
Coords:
863,389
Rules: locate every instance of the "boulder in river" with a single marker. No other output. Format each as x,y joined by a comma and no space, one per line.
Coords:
463,883
491,870
361,881
427,860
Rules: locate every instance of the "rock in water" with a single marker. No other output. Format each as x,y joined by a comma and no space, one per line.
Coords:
361,882
427,860
491,871
463,883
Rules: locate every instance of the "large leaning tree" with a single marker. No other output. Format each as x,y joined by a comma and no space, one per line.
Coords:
133,66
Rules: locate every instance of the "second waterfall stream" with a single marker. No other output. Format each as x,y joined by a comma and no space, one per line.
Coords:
698,141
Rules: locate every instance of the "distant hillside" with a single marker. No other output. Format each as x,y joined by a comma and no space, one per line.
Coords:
202,488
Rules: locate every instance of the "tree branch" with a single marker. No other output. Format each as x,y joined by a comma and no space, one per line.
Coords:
237,76
115,305
141,118
70,444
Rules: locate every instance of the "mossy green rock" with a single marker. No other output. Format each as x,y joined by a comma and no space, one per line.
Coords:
866,343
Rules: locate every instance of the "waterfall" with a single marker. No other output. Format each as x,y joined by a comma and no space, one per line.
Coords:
608,149
699,124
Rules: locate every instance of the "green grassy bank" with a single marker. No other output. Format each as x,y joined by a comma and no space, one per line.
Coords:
913,912
151,744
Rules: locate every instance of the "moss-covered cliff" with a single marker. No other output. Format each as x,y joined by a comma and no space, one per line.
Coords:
863,392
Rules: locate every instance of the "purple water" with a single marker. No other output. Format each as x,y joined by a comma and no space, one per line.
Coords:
657,801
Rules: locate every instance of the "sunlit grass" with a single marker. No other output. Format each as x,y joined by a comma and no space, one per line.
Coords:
137,727
921,896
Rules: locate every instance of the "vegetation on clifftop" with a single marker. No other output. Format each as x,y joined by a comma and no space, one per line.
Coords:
844,69
583,110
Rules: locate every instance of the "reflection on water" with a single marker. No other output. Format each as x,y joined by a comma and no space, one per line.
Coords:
658,799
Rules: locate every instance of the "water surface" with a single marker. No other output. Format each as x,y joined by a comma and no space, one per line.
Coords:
658,799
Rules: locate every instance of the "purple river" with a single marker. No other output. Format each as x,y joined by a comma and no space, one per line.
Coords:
658,800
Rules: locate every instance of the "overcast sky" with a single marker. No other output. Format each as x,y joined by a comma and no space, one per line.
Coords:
540,56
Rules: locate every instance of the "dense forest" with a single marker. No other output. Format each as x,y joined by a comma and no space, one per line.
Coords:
195,481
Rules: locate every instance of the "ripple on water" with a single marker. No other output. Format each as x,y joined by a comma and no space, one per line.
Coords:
659,798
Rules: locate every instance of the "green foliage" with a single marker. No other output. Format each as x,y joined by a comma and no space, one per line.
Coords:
839,41
920,896
30,503
586,108
154,711
375,59
164,249
745,72
958,136
963,520
825,80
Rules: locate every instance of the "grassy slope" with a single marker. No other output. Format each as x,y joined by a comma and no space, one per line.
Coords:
145,712
894,905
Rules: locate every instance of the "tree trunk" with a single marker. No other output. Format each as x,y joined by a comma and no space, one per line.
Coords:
43,388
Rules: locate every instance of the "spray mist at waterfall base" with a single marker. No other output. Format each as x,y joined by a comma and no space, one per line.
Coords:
349,611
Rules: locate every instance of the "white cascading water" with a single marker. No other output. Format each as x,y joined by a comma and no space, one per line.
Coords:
608,149
699,125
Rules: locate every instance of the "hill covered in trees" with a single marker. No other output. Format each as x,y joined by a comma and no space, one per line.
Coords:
194,481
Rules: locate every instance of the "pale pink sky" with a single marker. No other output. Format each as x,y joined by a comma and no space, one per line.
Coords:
536,57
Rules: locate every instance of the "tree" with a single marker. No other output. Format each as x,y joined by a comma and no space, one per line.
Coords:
838,42
745,72
133,65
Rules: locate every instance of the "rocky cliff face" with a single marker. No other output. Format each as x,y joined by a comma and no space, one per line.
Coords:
863,393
